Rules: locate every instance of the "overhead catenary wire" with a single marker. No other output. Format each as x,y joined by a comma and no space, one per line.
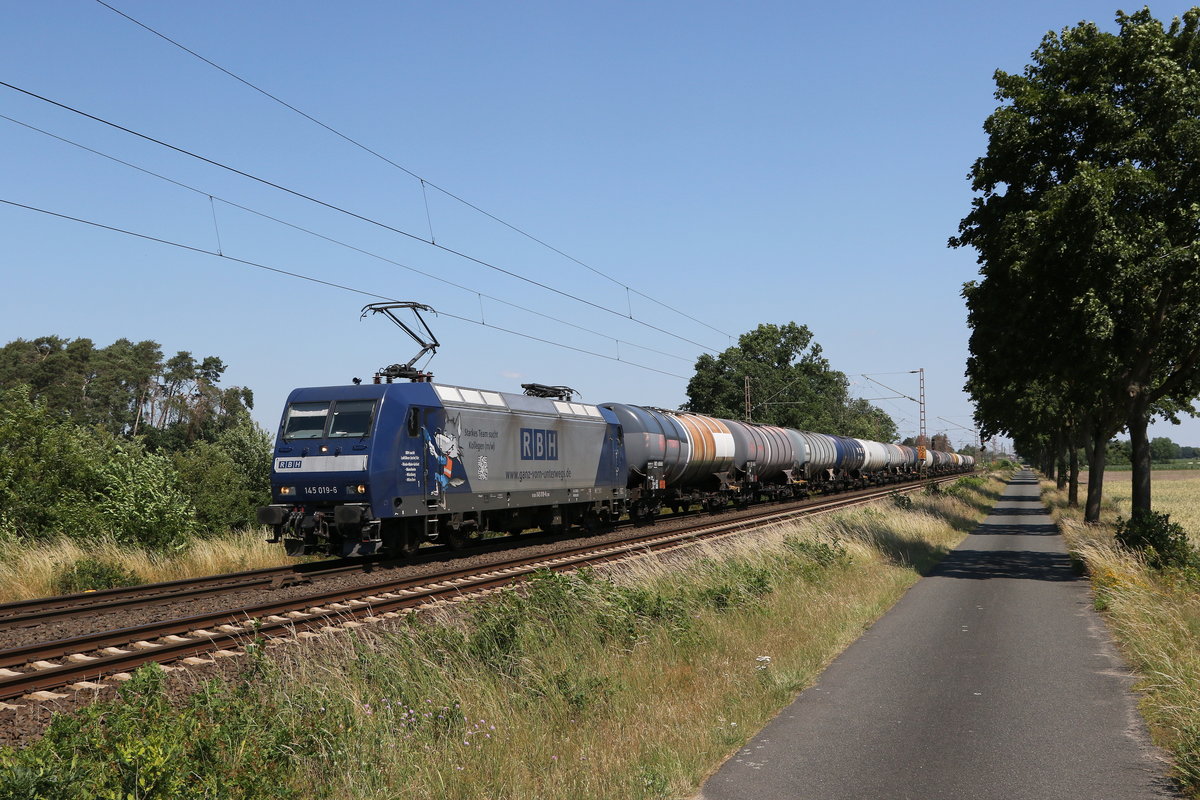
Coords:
331,284
353,214
310,232
424,182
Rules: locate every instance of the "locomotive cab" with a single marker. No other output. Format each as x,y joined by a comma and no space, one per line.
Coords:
324,475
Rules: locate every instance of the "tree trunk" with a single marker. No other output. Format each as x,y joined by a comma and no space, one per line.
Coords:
1096,450
1073,483
1138,422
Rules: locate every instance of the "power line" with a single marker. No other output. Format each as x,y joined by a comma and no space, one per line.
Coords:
353,214
320,281
332,240
424,181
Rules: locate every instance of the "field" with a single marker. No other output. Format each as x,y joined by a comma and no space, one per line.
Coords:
1175,492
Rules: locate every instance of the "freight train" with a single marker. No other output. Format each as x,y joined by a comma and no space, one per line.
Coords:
386,467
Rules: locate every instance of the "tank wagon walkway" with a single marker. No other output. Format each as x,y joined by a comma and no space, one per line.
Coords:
992,678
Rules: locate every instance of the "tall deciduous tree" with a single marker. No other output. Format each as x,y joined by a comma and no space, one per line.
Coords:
1088,220
791,384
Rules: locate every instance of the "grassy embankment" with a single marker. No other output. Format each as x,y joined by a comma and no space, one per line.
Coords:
61,566
1154,614
623,685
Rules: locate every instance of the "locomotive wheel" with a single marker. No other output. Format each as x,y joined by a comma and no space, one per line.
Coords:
409,544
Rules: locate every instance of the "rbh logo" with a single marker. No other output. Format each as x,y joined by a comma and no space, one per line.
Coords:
539,445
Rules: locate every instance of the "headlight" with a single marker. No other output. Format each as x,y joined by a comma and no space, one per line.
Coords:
360,488
287,491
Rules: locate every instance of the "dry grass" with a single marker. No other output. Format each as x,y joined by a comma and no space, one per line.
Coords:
32,569
648,718
1154,614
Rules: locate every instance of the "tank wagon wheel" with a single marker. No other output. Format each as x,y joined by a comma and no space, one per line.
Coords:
643,513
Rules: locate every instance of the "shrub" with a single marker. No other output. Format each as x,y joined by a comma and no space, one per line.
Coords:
1162,542
140,501
90,574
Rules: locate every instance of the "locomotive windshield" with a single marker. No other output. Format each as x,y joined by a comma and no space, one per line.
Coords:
305,420
350,419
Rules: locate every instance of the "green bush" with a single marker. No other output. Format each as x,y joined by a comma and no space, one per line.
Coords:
1163,543
140,501
90,574
216,746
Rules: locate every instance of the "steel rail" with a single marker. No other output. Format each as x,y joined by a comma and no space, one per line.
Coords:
25,613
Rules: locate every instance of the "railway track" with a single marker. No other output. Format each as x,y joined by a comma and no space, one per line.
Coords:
26,613
42,671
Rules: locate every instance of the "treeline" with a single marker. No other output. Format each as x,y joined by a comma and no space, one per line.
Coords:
122,441
1162,450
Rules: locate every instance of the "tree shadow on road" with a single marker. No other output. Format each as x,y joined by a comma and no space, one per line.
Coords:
1034,565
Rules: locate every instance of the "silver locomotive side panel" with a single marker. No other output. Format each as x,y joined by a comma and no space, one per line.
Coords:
514,443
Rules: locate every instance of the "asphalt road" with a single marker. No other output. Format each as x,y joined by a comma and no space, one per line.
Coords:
992,678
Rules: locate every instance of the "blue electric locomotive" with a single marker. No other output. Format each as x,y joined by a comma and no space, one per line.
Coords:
387,466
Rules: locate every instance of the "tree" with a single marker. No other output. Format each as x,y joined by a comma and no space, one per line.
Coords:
57,477
791,385
127,389
1163,449
1086,230
1119,452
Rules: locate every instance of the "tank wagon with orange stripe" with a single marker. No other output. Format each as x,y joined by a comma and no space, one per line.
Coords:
388,466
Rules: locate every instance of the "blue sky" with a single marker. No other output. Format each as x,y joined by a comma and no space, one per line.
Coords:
741,162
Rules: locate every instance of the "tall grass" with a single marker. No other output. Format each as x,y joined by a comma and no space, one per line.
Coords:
48,567
633,683
1154,614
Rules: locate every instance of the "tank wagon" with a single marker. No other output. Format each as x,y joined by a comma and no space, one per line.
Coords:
388,466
